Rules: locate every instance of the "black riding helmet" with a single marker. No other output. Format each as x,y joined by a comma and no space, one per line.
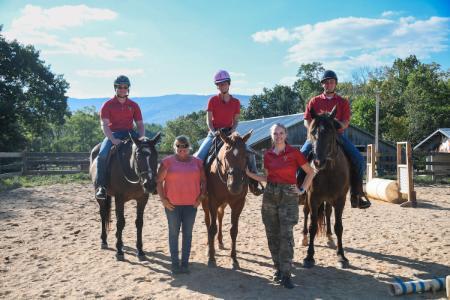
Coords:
122,79
328,74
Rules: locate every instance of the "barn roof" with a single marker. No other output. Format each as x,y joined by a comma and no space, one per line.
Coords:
432,138
261,127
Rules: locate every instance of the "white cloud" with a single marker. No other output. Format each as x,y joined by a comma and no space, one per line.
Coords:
288,80
281,34
109,73
60,17
391,13
48,29
349,43
237,74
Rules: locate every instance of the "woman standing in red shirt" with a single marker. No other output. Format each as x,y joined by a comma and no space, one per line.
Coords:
181,185
280,201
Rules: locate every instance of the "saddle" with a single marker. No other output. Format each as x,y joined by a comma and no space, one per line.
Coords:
217,143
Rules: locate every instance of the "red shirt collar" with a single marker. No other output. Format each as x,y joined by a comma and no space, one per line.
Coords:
287,149
116,99
324,96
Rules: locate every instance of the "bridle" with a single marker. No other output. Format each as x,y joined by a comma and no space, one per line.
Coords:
139,175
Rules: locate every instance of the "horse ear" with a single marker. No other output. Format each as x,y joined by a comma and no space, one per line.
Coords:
224,137
135,140
155,140
333,112
247,136
313,113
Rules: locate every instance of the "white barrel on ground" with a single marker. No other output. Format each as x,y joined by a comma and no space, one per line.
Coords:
383,189
419,286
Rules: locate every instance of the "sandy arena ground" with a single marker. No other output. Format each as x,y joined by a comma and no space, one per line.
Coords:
50,248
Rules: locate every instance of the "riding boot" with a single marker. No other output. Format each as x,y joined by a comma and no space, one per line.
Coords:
286,281
357,196
253,184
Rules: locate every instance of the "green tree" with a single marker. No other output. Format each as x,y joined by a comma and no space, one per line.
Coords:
192,125
281,100
152,129
80,133
308,84
363,113
32,98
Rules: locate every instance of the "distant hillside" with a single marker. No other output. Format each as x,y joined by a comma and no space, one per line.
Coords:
158,109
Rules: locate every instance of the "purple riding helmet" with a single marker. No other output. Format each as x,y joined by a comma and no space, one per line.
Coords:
222,76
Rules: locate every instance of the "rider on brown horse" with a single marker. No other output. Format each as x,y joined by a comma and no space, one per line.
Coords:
223,113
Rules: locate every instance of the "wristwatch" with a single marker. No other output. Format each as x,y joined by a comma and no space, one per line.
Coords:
301,190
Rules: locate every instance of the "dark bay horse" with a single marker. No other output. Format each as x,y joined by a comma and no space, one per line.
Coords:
331,182
132,175
227,184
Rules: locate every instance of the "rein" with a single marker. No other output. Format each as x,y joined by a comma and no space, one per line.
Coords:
119,155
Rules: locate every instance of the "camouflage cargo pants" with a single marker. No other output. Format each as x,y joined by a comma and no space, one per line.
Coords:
280,214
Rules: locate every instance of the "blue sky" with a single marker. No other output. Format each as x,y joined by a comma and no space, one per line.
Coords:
171,47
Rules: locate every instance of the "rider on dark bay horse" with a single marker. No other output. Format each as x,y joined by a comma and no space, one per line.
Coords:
117,116
324,103
223,113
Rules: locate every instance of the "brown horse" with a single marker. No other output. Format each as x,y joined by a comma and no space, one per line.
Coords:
331,182
132,169
327,222
227,184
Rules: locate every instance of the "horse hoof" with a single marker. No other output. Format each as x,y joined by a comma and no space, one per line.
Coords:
308,263
343,264
235,265
104,246
305,242
120,256
141,255
212,263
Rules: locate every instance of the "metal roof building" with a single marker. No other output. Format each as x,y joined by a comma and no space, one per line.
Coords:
434,141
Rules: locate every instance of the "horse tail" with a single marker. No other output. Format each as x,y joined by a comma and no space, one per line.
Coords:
321,219
105,212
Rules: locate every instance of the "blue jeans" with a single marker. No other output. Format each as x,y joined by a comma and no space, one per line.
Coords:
182,216
356,159
202,152
105,147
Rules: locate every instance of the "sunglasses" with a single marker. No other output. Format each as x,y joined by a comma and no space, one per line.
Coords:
184,146
124,87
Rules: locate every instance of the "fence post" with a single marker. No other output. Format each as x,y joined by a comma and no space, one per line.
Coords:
24,163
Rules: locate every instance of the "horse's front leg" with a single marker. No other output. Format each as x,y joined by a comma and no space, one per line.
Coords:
338,229
328,210
235,213
140,207
212,231
305,224
309,261
220,213
119,226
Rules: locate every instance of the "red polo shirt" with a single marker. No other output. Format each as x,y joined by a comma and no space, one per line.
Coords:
120,115
322,104
223,112
282,167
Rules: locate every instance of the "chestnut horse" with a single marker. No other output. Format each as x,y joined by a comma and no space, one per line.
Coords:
331,182
132,175
227,184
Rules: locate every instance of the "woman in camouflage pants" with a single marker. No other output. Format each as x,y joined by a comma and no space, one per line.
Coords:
280,200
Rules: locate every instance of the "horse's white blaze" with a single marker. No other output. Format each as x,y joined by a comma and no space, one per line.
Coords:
235,152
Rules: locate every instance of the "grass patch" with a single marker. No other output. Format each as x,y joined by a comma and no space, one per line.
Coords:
34,180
